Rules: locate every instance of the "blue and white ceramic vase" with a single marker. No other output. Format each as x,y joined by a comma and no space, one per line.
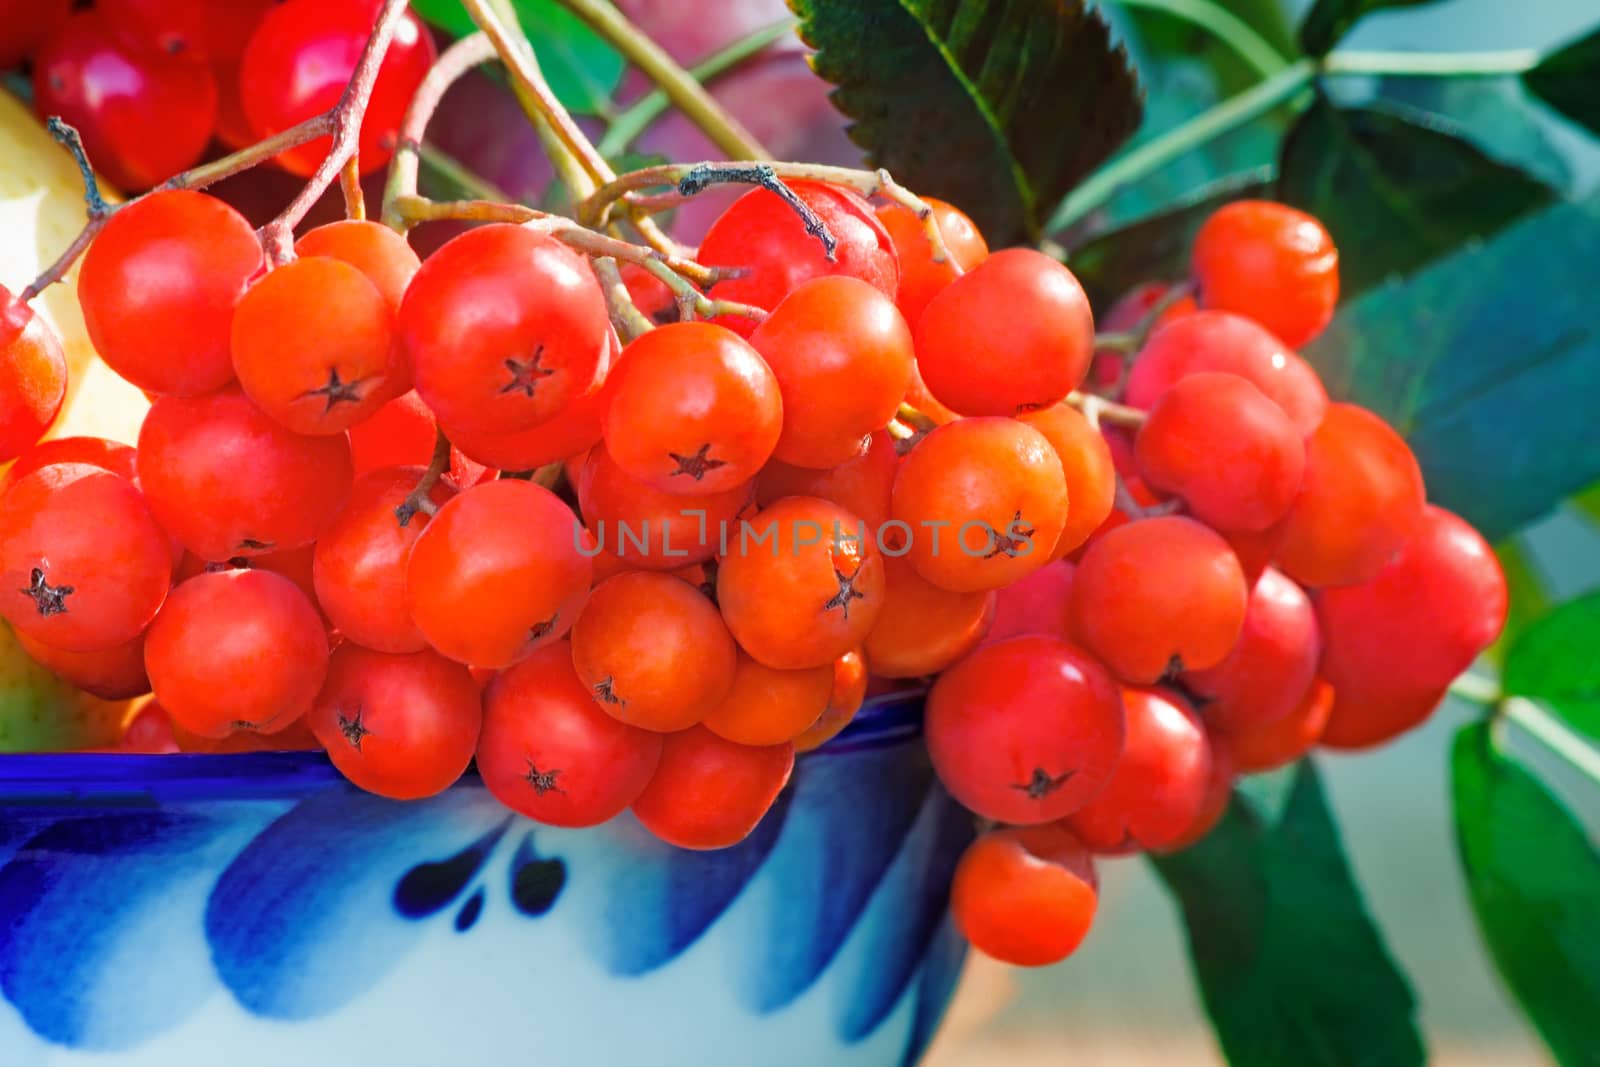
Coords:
256,911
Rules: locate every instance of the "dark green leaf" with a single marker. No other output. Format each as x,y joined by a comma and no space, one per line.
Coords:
1396,190
1330,20
1497,115
1156,248
1534,881
1482,361
1291,967
1557,660
1566,81
582,69
998,106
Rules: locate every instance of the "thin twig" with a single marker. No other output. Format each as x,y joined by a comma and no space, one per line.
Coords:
462,56
355,201
1098,409
421,498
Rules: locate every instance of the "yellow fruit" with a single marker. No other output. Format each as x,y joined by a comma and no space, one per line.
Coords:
41,713
41,211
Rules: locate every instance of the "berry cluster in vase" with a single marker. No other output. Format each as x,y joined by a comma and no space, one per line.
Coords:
633,540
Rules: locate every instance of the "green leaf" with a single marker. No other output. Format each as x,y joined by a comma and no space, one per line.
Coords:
1481,361
998,106
1290,966
1156,248
1554,660
1588,503
1566,81
1396,189
1330,20
582,69
1534,880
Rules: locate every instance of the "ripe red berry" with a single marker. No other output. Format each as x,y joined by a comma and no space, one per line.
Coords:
770,707
402,726
1271,262
1025,896
647,528
1230,452
1025,731
158,287
1231,344
301,56
844,700
550,753
1040,356
33,376
400,433
228,481
922,628
83,564
175,28
1266,746
921,279
503,328
115,673
1086,463
382,254
143,116
800,583
236,650
860,485
313,345
1158,596
692,408
359,566
1160,784
767,240
110,456
1361,501
1218,795
980,503
1271,667
1039,604
708,793
27,24
841,353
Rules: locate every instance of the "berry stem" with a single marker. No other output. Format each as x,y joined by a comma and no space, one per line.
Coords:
67,136
1552,733
916,420
692,302
627,126
1098,409
1126,341
355,201
626,318
469,52
1222,24
1433,64
344,121
680,86
420,498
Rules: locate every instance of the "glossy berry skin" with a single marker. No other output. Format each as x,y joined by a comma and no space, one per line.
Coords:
1085,463
115,673
143,117
84,565
841,353
983,500
401,726
301,56
653,651
158,287
174,28
313,345
1424,618
709,793
1269,745
646,528
1373,712
1272,263
1269,670
1230,344
767,239
1159,786
692,408
770,707
921,279
226,480
33,376
550,753
236,650
1042,354
1361,501
1230,452
27,24
1025,731
844,700
497,573
860,485
503,329
571,433
1025,896
400,433
1218,795
359,564
801,583
922,628
110,456
1039,604
1158,596
383,255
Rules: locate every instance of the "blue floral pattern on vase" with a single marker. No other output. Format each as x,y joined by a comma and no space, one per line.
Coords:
256,910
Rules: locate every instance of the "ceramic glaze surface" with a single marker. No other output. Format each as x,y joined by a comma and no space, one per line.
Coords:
256,911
